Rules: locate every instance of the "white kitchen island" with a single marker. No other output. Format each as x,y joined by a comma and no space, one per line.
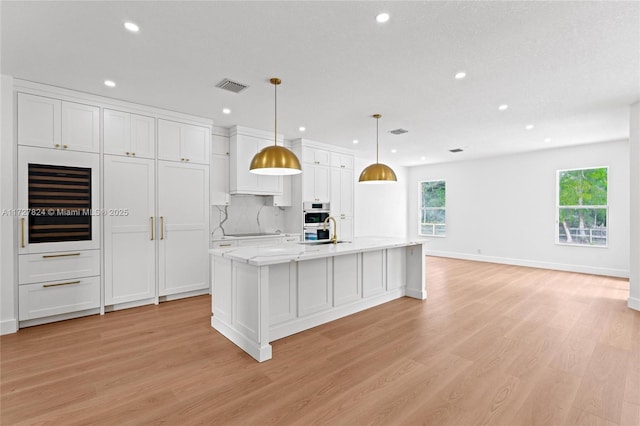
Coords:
262,294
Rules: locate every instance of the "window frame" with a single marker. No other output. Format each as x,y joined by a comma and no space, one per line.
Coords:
420,209
604,207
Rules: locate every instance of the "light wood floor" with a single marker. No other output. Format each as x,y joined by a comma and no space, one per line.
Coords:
493,344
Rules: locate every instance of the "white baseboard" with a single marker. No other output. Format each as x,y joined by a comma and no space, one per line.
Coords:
584,269
170,297
633,303
8,326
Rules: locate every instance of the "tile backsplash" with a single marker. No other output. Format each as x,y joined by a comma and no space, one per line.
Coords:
247,214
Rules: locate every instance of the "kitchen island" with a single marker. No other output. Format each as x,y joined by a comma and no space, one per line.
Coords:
262,294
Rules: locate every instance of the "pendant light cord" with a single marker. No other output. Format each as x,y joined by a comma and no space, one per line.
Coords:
377,146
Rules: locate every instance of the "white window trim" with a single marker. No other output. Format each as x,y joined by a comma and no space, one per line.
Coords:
558,206
420,208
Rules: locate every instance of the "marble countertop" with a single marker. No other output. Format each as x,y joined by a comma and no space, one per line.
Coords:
290,252
251,236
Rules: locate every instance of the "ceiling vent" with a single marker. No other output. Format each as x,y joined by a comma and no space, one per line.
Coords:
398,131
456,150
231,86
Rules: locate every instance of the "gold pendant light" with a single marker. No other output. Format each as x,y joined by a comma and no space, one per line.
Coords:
275,160
378,172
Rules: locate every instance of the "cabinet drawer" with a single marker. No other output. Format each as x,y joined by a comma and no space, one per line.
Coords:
224,244
35,268
58,297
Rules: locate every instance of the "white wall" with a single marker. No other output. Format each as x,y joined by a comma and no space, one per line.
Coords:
380,210
503,209
634,164
8,309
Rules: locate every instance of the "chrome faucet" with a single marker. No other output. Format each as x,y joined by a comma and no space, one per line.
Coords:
334,238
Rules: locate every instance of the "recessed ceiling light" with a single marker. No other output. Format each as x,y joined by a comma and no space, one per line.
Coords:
110,83
131,27
302,128
394,151
226,111
461,75
355,141
503,107
547,139
529,126
382,17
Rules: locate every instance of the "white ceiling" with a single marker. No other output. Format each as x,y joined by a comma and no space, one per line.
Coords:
569,68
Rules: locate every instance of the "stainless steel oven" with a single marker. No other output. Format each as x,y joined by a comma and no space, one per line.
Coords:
314,215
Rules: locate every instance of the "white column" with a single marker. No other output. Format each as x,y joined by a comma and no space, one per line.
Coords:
634,252
8,276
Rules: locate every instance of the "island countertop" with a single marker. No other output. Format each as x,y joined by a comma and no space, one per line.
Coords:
290,252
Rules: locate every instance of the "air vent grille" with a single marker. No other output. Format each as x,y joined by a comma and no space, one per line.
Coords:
398,131
231,86
455,150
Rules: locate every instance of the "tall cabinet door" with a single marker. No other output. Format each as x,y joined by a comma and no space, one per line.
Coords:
130,237
183,215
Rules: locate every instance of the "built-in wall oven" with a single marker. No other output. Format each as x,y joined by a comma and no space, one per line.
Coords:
58,199
314,215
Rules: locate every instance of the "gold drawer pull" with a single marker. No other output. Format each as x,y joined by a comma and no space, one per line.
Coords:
225,245
22,226
49,256
162,227
59,284
151,227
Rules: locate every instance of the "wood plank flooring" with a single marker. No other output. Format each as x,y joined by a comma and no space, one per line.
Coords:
492,345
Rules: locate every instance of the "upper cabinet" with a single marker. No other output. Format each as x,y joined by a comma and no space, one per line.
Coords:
128,134
183,142
343,161
220,195
316,156
52,123
243,146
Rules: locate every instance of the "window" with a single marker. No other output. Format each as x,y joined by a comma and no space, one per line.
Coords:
432,208
582,207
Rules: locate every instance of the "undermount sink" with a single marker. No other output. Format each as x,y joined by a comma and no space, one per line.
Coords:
321,242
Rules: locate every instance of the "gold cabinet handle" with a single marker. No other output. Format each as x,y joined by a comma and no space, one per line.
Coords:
162,227
65,146
151,218
225,245
187,160
50,256
133,153
127,153
22,234
57,145
60,284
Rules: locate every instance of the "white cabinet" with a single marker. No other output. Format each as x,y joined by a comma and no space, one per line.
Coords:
315,156
315,182
129,239
183,228
342,183
52,123
243,147
343,161
220,195
35,268
58,297
315,293
183,142
128,134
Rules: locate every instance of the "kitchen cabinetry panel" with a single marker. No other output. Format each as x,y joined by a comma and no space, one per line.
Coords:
242,150
315,292
343,161
58,297
373,273
52,123
315,156
128,134
347,286
80,127
130,239
58,266
220,194
183,142
183,210
282,293
38,121
315,183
